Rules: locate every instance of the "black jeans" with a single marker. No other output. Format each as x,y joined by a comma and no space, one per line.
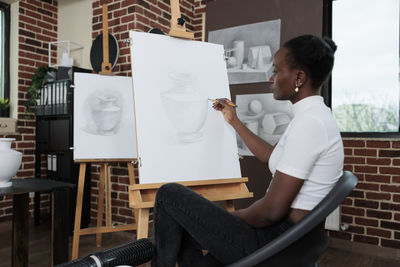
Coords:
185,223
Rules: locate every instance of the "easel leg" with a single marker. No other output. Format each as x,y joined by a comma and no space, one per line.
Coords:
131,174
100,203
78,211
143,223
229,206
108,196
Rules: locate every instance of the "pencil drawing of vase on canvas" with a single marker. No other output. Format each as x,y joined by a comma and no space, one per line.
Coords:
104,121
104,109
185,107
177,129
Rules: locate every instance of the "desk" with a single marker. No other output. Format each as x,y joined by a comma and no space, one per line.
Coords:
20,190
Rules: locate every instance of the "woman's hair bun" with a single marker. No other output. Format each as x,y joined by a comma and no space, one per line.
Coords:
331,44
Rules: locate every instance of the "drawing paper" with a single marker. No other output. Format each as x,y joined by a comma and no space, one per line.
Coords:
180,137
104,121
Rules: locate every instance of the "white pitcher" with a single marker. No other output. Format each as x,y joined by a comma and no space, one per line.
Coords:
10,161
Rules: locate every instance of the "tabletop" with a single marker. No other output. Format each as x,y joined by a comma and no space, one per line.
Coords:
25,185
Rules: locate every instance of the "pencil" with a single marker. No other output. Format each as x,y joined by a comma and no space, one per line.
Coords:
220,101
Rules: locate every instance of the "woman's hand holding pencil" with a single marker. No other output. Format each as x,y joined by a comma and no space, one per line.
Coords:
226,107
224,100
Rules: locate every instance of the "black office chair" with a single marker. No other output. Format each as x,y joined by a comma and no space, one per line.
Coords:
301,245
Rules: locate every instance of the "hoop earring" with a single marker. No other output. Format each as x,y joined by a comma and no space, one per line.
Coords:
296,89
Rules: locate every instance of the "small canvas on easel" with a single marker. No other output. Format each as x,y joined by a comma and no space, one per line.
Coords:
180,136
104,121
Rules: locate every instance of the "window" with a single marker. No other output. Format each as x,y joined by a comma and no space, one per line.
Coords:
365,79
4,50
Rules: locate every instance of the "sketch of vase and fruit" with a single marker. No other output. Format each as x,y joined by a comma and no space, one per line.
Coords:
104,111
185,107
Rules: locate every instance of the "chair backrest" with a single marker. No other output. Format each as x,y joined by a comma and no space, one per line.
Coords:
335,197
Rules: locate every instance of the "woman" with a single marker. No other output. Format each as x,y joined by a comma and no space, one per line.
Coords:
305,164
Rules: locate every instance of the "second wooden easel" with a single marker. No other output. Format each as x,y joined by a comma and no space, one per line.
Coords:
142,196
104,195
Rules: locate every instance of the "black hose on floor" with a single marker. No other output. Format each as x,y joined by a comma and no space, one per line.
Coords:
132,254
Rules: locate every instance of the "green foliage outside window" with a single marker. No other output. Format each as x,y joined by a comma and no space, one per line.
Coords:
367,117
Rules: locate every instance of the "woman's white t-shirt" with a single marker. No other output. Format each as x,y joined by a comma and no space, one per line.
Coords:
311,148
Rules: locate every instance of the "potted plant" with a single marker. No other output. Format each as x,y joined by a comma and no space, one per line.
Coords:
4,107
39,78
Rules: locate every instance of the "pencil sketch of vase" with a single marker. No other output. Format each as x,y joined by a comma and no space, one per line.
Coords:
185,107
105,112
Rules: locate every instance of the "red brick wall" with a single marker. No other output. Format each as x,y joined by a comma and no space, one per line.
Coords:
373,209
123,16
37,27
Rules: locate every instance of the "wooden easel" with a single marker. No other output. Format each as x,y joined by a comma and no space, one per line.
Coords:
104,191
105,65
142,196
178,28
105,177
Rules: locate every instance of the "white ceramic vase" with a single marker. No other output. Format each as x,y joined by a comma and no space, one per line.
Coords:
10,161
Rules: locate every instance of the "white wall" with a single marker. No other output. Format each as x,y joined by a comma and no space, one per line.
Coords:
75,24
9,1
14,21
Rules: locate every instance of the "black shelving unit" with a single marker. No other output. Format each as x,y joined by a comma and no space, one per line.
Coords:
54,139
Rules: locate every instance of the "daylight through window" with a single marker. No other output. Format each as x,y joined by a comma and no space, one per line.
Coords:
365,79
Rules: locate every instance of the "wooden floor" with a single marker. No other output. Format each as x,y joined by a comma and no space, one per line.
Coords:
337,257
39,249
40,244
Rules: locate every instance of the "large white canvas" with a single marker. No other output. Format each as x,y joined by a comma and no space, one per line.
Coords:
180,137
104,121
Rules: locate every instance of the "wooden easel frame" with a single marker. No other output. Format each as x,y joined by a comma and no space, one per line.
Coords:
178,30
105,65
105,176
142,196
104,191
